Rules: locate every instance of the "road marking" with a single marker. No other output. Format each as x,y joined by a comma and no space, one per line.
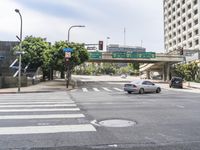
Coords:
39,110
29,106
54,116
180,106
95,89
106,89
25,103
84,89
120,90
46,129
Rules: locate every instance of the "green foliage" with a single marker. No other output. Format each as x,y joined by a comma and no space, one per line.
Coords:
187,71
56,55
34,48
107,68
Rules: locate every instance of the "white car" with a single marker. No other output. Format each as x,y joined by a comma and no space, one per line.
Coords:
141,86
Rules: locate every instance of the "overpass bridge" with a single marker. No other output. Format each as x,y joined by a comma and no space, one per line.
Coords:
149,61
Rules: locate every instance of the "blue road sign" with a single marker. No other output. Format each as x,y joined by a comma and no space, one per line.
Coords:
68,49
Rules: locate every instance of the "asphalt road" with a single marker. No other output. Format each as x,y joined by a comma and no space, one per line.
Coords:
45,121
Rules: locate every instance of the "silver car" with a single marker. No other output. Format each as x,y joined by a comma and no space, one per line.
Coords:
141,86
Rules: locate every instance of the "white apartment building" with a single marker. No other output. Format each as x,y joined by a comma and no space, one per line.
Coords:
181,24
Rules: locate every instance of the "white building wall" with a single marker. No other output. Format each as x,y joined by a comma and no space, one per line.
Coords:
181,24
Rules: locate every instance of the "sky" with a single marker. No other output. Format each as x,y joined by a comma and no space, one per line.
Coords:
51,19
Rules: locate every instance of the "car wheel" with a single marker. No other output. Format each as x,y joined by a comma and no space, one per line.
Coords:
141,91
158,90
129,92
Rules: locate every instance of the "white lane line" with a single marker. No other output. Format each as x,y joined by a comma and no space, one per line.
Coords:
85,89
39,110
106,89
120,90
95,89
30,106
46,129
54,116
25,103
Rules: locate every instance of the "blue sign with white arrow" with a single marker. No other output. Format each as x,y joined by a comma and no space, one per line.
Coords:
68,49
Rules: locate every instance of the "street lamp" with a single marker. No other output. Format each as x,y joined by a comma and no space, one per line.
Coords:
79,26
20,51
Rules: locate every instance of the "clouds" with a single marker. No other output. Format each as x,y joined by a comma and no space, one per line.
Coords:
51,19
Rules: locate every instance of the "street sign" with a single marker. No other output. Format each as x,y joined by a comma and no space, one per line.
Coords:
67,55
95,55
67,49
145,55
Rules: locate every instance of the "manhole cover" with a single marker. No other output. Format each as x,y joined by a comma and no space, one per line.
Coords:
117,123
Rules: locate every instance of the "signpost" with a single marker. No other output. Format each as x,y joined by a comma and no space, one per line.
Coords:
68,52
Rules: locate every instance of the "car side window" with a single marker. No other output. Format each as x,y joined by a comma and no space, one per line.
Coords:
144,83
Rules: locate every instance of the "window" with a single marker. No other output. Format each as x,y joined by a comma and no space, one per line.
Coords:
183,1
174,33
189,25
196,21
178,14
183,10
174,25
189,6
190,34
190,44
174,42
179,22
195,2
196,11
196,32
179,40
178,5
189,16
183,19
196,42
184,28
184,37
179,31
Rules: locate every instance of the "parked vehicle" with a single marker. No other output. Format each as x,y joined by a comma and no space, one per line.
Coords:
176,82
141,86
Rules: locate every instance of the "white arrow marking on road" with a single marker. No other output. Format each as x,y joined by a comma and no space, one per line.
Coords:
120,90
29,106
46,129
84,90
55,116
95,89
39,110
106,89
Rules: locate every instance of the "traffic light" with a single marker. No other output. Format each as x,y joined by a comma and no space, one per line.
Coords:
100,45
181,51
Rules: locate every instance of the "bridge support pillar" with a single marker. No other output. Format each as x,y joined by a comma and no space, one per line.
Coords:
148,74
166,72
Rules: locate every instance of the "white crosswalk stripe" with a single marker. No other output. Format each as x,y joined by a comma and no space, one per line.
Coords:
117,89
95,89
27,111
46,129
102,89
85,89
106,89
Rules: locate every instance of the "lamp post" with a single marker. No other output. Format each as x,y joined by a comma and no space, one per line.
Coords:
67,63
20,51
79,26
107,44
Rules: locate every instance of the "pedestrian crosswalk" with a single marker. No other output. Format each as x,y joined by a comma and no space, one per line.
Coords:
41,114
100,89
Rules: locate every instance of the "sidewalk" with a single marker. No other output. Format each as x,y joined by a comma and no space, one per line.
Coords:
47,86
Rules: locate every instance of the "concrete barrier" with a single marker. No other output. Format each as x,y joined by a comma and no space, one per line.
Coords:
10,82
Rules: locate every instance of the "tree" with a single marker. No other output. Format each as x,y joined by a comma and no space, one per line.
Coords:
34,48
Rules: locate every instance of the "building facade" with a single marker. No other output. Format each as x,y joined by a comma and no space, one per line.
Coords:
181,24
119,48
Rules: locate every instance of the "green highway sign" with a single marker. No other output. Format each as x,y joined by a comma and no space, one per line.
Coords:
145,55
95,55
